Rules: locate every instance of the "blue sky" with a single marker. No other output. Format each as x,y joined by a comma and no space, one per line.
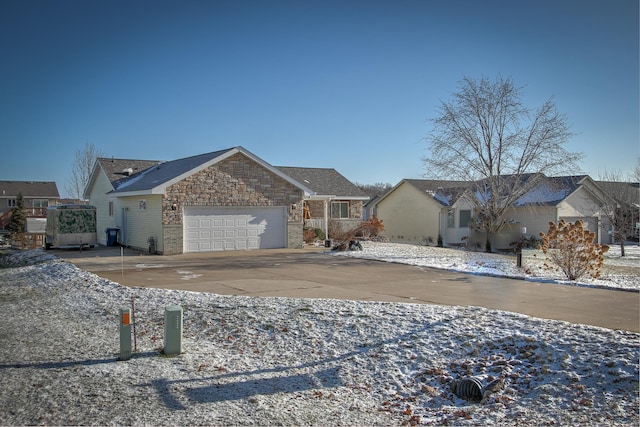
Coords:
348,85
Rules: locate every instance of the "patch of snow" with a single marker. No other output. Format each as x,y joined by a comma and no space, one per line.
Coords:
289,361
618,272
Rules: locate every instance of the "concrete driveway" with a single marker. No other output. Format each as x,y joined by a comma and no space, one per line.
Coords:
312,273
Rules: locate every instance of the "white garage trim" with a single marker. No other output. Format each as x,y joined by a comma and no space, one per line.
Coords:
209,229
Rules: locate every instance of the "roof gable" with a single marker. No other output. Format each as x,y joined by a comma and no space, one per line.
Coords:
444,192
155,179
30,189
544,191
324,182
550,191
164,173
119,169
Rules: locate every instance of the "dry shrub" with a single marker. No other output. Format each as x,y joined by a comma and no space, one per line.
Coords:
570,248
371,227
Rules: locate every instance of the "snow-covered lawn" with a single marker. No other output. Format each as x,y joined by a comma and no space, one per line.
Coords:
618,272
286,361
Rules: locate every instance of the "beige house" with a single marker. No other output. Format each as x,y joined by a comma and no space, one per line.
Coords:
224,200
418,211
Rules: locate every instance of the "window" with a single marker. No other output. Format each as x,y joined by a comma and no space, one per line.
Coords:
142,205
11,203
110,208
451,218
339,209
465,218
39,203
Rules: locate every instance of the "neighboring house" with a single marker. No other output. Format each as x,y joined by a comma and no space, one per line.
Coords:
37,196
414,211
224,200
332,198
370,208
627,198
418,211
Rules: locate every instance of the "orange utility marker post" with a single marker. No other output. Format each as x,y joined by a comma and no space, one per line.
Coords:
125,333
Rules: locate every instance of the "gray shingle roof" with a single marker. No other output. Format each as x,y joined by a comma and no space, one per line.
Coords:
324,182
115,168
623,192
444,192
163,172
44,189
544,191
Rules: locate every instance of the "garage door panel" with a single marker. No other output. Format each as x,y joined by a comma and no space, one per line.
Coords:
214,229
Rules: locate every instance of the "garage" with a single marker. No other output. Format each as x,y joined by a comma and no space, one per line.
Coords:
208,229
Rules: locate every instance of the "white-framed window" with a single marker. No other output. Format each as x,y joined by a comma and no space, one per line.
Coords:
110,208
142,205
339,209
465,218
451,218
11,203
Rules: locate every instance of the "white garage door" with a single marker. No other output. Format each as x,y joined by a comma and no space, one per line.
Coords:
208,229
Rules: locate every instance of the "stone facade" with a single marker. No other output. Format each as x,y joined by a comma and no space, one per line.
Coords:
173,239
236,181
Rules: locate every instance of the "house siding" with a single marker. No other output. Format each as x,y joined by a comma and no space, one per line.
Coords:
409,216
98,199
535,219
457,235
139,225
580,206
236,181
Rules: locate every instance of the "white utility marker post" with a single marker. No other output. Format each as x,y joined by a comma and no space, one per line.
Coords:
125,333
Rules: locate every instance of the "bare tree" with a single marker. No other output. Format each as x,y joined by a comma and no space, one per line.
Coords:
83,163
376,189
622,208
486,136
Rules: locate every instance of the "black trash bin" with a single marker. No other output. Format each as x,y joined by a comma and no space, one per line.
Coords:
112,236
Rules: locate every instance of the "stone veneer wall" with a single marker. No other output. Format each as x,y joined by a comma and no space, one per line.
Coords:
236,181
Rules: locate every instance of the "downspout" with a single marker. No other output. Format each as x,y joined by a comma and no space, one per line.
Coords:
326,217
124,226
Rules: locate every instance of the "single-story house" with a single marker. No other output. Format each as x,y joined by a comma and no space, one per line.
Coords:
627,198
37,196
370,207
223,200
333,198
420,211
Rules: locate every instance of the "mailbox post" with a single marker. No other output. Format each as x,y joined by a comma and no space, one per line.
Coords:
125,333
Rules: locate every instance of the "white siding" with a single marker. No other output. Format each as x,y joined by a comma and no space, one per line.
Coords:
139,225
99,198
456,234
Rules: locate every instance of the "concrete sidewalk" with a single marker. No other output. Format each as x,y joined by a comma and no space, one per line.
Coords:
312,273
